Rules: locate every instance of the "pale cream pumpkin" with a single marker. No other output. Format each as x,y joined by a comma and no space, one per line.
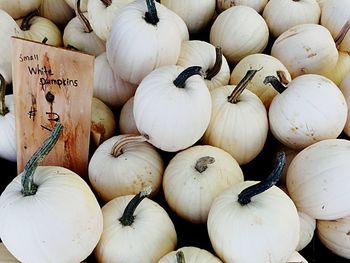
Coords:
19,8
318,179
268,66
6,256
280,15
73,4
58,11
306,49
298,116
345,88
307,230
127,123
341,69
190,254
258,5
239,31
204,54
195,176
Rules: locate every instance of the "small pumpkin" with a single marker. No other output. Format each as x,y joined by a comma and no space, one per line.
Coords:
135,229
58,11
20,8
341,69
307,230
127,123
190,254
73,4
258,5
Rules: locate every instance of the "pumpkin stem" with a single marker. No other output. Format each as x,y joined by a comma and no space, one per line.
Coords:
117,148
107,3
180,257
3,109
275,83
202,163
128,217
217,66
28,186
185,74
245,196
70,47
44,40
342,33
237,91
282,77
25,25
151,15
85,22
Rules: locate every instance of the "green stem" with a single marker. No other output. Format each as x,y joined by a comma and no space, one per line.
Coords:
245,196
128,217
25,25
237,91
202,163
217,66
151,15
342,33
180,257
3,109
184,75
28,185
117,148
107,3
85,22
275,83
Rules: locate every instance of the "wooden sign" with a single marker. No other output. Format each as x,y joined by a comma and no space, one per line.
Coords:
52,84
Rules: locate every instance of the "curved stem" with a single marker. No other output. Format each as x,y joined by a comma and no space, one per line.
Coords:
3,109
151,15
275,83
245,196
25,25
107,3
28,186
117,148
128,217
184,75
85,22
342,33
180,257
237,91
217,66
202,163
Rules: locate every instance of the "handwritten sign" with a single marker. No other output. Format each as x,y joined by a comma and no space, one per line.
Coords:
52,84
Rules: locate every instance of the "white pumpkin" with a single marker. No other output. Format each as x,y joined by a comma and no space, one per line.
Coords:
108,86
335,17
238,123
334,235
195,176
258,5
58,11
19,8
135,229
172,106
6,256
239,31
143,37
269,66
299,116
341,69
127,123
318,179
7,123
53,208
204,54
280,15
247,220
307,230
296,257
306,49
124,165
190,254
73,4
345,88
197,14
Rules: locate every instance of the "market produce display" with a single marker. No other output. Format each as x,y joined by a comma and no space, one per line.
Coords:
220,132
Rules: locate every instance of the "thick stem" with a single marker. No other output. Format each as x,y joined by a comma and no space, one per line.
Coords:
28,186
245,196
151,15
282,77
128,217
117,148
25,25
275,83
187,73
180,257
44,40
217,66
3,109
237,91
342,33
107,3
202,163
85,22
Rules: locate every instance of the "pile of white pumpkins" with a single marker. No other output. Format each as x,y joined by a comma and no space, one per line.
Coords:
204,82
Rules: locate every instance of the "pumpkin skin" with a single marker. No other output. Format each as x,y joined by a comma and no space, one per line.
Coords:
258,5
190,191
192,255
298,116
83,4
341,69
69,230
307,230
145,47
6,256
58,11
334,235
174,118
239,31
345,88
20,8
150,237
8,149
296,257
317,179
306,49
127,123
